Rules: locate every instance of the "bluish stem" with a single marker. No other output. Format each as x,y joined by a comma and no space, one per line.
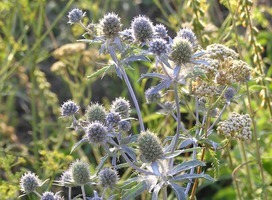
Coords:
191,171
83,192
132,94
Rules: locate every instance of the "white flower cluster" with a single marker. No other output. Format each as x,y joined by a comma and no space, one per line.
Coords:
202,89
237,126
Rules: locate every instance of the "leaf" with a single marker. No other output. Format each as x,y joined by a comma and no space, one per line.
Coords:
187,177
153,75
172,155
102,162
179,191
135,191
155,193
76,145
113,54
155,168
163,85
185,166
130,152
186,143
176,71
100,71
134,58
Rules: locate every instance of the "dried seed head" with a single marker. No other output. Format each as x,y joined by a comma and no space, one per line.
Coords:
96,133
113,118
150,146
80,171
158,46
124,126
152,97
188,34
110,25
95,112
29,182
161,31
142,29
69,108
122,106
108,177
75,16
181,51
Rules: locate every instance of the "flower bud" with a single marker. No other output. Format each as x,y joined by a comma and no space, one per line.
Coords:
124,126
158,46
142,29
122,106
96,133
188,34
69,108
152,97
110,25
50,196
29,182
229,94
108,177
150,146
181,52
113,118
95,112
80,171
75,16
160,31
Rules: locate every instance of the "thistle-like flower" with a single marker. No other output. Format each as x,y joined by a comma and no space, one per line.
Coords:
142,29
96,133
229,94
158,46
95,112
75,16
113,118
150,146
29,182
124,125
50,196
69,108
66,179
80,171
161,31
122,106
152,97
188,34
110,25
108,177
181,52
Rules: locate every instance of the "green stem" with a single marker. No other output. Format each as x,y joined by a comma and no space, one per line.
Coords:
164,193
83,192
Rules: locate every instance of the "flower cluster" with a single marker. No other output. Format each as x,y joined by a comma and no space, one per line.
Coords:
237,126
110,25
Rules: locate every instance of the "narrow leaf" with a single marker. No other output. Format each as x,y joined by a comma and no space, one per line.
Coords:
102,162
179,191
83,140
155,168
135,191
185,166
187,177
100,71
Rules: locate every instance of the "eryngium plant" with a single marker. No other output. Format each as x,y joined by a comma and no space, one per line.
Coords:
209,77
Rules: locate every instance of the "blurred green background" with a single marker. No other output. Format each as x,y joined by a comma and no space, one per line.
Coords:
41,66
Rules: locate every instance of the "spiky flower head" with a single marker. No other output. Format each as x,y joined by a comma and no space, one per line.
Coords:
80,171
75,16
152,97
188,34
229,94
66,179
50,196
150,146
124,125
29,182
96,133
142,29
160,30
122,106
158,46
108,177
110,25
168,107
181,51
95,112
113,118
69,108
126,35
